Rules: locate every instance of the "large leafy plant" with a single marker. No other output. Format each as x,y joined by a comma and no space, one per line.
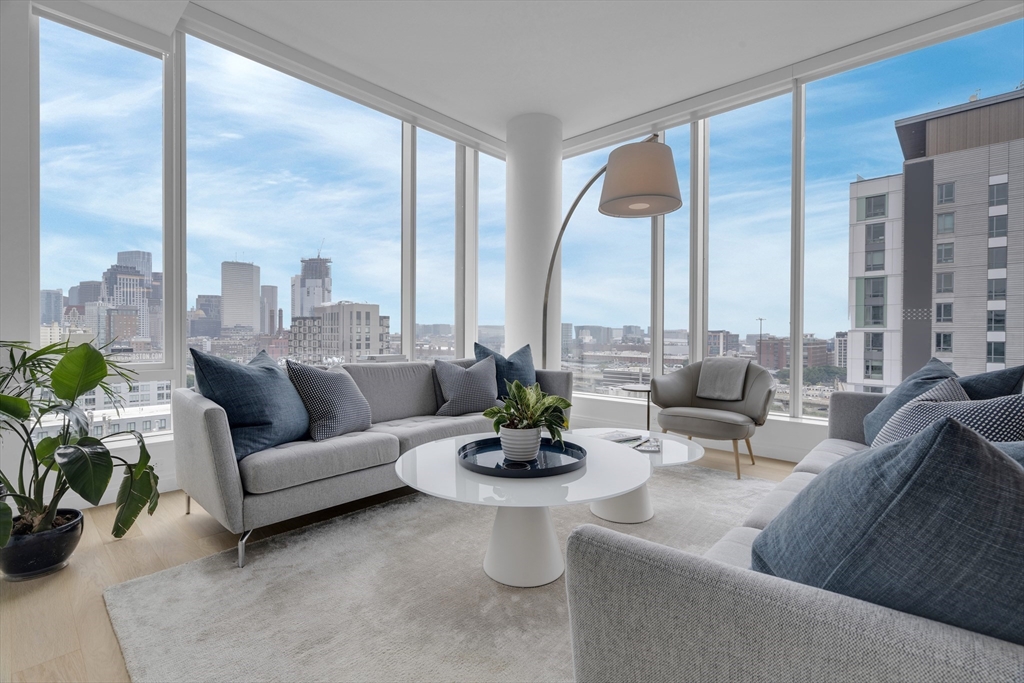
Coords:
529,408
46,384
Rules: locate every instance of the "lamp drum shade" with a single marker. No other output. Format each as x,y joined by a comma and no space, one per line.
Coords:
640,182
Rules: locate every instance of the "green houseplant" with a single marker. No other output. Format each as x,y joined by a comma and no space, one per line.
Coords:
44,387
525,412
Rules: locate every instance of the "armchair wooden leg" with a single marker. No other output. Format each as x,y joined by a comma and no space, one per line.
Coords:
736,452
751,451
690,438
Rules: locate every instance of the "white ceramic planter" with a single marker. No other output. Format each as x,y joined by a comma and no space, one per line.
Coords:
520,444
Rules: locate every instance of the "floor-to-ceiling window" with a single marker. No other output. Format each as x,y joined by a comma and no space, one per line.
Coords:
606,288
491,246
749,182
101,213
899,227
677,259
294,215
435,246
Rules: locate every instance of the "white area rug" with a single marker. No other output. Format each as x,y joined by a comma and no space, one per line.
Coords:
392,593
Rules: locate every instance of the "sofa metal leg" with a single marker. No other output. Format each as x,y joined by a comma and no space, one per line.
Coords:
188,504
736,452
241,547
751,451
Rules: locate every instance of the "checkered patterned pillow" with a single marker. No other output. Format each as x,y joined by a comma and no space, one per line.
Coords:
332,399
996,419
467,390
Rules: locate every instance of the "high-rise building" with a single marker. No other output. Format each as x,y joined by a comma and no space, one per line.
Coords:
841,349
142,261
311,287
51,306
344,331
815,352
722,343
594,334
239,295
773,352
937,264
209,304
567,345
85,292
268,309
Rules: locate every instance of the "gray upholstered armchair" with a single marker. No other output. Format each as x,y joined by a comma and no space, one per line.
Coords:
718,398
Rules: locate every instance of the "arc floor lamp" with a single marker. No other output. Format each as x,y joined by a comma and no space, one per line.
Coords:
641,182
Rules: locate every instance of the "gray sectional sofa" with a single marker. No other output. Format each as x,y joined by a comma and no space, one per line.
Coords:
301,477
644,611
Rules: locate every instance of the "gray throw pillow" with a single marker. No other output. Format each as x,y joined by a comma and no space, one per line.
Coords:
997,419
334,402
262,406
466,390
930,526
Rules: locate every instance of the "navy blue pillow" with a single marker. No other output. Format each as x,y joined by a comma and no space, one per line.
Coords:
934,372
518,366
263,407
929,526
1014,449
995,384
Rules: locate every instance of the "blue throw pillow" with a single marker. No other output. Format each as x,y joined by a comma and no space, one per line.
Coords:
518,366
995,384
930,526
263,407
934,372
1014,449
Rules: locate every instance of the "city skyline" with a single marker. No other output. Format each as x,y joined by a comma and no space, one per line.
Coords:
279,160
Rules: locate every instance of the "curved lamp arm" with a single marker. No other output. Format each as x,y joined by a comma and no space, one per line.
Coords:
554,256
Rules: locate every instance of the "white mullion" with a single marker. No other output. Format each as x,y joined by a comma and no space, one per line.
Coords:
796,281
175,292
699,147
467,179
657,355
409,241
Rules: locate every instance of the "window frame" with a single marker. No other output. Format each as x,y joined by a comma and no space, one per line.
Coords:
990,352
943,342
942,197
939,220
995,291
997,258
993,322
941,315
944,253
940,287
997,227
998,194
870,264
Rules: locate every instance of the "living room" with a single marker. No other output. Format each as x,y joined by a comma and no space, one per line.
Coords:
730,246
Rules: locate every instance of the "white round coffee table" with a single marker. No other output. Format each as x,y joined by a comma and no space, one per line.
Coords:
635,506
523,550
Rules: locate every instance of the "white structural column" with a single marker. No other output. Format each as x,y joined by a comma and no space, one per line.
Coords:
796,282
699,147
409,241
533,200
467,183
19,166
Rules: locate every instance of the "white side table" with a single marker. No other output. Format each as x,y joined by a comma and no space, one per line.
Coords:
635,506
641,389
524,550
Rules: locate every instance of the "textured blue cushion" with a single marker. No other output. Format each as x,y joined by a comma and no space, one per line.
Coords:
263,407
995,384
934,372
930,526
518,366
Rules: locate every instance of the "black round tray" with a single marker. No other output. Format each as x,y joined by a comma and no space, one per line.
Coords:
485,457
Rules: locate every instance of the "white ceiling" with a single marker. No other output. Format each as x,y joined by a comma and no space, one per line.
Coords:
591,64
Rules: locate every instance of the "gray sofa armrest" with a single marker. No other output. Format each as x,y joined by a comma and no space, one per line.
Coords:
204,457
557,382
676,389
846,411
640,611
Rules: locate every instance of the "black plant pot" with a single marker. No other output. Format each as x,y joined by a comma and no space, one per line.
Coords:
28,556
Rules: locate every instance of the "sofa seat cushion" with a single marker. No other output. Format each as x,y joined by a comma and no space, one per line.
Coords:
300,462
828,452
734,547
707,423
416,431
776,501
930,526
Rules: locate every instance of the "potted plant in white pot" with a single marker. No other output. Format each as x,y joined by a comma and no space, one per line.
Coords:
42,388
526,412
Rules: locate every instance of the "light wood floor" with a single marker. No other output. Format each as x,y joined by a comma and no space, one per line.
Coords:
56,628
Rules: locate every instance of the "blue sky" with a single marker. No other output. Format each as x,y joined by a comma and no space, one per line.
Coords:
275,166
